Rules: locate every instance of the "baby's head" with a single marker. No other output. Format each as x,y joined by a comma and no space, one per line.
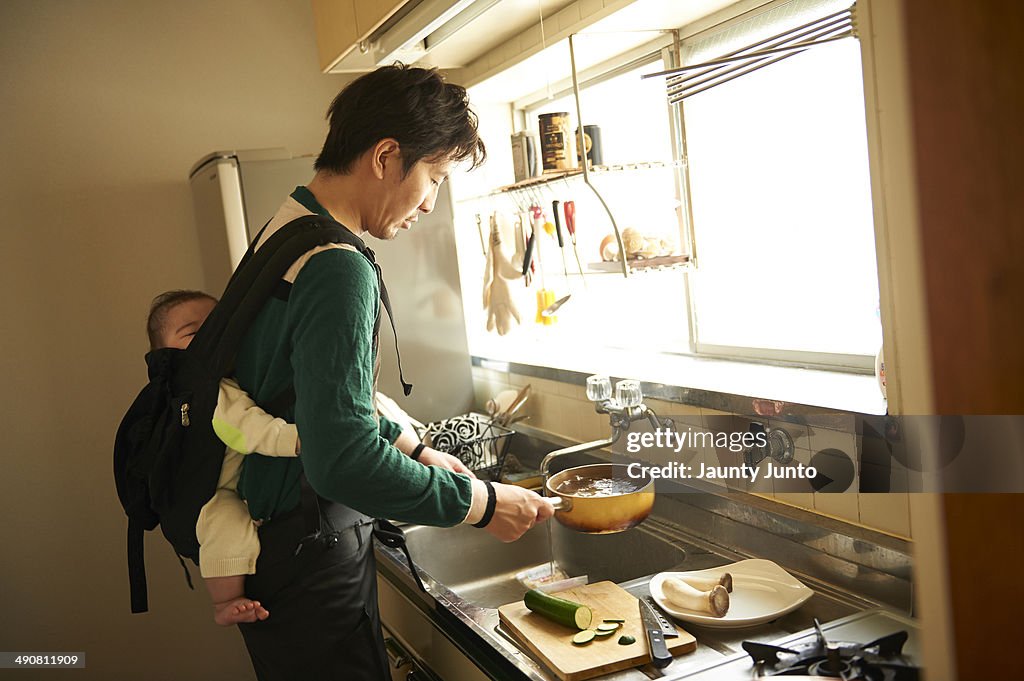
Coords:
175,316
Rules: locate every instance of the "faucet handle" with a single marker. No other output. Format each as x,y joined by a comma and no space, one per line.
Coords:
627,393
599,388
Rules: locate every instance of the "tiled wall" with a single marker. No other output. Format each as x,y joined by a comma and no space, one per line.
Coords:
563,409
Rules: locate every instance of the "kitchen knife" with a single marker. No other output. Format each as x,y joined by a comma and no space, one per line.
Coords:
569,209
667,628
660,657
561,242
528,257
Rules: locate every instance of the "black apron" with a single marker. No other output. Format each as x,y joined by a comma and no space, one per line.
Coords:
321,592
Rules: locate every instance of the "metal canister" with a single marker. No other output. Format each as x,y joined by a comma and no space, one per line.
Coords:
592,145
556,142
524,156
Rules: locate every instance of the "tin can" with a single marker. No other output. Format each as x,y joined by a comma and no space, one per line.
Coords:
524,156
592,145
556,142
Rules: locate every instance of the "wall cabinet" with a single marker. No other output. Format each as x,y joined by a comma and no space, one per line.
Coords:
341,24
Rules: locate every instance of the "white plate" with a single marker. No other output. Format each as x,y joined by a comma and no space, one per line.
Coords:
761,591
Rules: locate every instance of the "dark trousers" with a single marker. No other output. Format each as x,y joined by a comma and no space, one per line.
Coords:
324,623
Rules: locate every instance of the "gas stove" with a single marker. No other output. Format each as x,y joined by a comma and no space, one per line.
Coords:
873,645
878,660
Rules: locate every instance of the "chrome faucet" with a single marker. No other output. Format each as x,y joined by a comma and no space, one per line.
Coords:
627,406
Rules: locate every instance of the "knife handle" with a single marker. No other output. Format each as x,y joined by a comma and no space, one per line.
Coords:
569,208
528,257
558,223
660,657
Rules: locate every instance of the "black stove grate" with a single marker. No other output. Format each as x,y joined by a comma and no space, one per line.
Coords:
879,660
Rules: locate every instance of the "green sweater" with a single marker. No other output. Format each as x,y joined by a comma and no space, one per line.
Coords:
321,340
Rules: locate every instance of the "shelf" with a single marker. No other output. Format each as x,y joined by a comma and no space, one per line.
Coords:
662,262
550,177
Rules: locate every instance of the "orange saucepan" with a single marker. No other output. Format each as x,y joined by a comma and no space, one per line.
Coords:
600,498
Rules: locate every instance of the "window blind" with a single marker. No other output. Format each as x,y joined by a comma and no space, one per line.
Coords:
716,63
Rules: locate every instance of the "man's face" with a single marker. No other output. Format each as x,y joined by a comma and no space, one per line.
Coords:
182,322
406,197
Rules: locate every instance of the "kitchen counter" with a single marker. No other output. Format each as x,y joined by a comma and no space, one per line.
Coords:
468,574
474,629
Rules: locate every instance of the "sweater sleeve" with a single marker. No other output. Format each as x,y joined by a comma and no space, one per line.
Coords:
245,428
345,456
389,430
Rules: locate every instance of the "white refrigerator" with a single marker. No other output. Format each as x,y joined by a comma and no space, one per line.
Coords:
235,192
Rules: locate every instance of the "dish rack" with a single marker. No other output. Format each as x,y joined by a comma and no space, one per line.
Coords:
472,438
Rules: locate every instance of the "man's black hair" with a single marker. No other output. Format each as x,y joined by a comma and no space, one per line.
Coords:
429,118
161,305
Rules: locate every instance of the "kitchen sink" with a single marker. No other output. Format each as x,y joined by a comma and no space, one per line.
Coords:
482,570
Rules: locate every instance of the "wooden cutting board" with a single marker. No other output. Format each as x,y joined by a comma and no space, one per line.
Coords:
552,642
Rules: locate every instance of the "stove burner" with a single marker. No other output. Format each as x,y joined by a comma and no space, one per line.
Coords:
880,660
833,665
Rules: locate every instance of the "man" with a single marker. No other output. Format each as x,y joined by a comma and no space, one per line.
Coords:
394,136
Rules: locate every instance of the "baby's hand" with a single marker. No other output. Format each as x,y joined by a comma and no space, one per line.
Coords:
237,611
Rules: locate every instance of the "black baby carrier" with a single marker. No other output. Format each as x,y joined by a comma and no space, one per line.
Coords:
167,458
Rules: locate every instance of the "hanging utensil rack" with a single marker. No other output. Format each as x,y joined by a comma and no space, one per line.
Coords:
530,191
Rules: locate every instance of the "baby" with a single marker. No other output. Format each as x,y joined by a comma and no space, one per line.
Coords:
229,544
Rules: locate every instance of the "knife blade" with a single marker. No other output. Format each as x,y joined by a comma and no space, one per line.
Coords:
667,628
660,657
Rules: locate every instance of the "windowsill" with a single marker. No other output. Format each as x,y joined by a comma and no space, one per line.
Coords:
838,391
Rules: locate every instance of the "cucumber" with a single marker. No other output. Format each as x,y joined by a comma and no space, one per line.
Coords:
608,626
566,613
626,640
614,619
585,636
604,632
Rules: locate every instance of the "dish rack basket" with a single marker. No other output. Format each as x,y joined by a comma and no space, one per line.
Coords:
474,439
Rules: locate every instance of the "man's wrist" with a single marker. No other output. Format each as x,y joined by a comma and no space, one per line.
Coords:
478,504
492,503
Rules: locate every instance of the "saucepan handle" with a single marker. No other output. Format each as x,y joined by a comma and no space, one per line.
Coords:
561,504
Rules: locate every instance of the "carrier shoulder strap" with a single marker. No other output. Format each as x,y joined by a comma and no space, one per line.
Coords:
254,282
334,233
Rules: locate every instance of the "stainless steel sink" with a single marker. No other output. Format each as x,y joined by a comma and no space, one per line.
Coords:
482,570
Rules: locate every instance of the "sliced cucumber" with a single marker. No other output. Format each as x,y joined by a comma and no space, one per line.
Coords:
607,626
565,612
626,640
584,637
604,632
614,619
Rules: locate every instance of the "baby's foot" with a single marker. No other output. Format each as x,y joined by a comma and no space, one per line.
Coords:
237,611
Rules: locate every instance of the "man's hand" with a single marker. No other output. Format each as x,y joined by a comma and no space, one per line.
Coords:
433,457
516,511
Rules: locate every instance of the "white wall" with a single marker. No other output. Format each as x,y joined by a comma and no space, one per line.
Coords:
104,108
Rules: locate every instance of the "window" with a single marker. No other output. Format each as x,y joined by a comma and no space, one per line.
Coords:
781,204
764,178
